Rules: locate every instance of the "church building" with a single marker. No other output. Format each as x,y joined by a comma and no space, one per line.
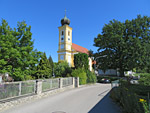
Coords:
67,49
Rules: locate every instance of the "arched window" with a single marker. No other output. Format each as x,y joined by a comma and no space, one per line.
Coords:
61,57
68,33
62,33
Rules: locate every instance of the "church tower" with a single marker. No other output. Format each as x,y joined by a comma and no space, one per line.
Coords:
65,41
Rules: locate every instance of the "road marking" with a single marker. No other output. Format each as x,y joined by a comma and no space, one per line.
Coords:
103,92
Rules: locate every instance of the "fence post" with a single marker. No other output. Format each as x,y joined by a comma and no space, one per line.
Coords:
73,82
38,87
20,88
60,83
77,81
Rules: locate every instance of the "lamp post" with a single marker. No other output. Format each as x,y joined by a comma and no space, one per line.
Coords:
98,58
53,72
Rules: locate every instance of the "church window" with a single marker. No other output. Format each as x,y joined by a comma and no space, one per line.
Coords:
62,46
61,57
68,33
62,33
62,38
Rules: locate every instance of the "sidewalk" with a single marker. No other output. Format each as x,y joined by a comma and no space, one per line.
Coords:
105,105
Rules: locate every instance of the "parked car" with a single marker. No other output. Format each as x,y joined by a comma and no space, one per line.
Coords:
104,80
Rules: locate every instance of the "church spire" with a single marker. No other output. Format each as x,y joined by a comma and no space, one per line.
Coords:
65,20
65,12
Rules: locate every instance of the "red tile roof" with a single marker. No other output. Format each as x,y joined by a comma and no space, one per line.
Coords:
79,48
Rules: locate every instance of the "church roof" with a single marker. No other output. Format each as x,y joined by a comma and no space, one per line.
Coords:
79,48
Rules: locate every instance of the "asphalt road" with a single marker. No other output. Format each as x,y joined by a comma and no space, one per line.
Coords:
89,99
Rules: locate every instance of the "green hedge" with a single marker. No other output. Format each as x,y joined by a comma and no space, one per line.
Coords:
91,77
81,74
128,96
144,79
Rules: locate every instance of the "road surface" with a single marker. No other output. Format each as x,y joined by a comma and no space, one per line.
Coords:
89,99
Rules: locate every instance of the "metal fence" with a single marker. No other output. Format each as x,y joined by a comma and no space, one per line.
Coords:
67,81
115,83
14,89
50,84
17,89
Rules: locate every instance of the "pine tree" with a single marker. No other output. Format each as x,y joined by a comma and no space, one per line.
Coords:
44,69
51,64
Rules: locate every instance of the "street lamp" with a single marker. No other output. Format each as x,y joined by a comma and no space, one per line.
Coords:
53,72
100,57
97,58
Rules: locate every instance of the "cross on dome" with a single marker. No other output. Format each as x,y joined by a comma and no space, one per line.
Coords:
65,20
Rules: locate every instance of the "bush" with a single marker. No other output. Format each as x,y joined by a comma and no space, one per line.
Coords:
144,79
91,77
115,94
62,69
81,74
128,95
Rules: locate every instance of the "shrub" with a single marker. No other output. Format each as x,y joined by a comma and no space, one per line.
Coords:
144,79
91,77
115,94
62,69
127,96
81,74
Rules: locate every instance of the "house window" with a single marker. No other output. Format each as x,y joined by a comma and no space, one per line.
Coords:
61,57
62,46
62,33
68,33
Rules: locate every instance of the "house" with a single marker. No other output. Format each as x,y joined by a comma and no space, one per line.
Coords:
5,78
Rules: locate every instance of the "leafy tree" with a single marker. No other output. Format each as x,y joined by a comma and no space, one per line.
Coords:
125,44
81,61
62,69
91,53
44,69
17,56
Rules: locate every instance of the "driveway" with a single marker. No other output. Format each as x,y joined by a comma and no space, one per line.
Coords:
88,99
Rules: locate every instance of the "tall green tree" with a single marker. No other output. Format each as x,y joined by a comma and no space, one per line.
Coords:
44,69
17,56
125,44
81,61
91,53
51,63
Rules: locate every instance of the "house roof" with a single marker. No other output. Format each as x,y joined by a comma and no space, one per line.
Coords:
79,48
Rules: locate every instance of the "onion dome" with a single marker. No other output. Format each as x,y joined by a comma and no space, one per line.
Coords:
65,21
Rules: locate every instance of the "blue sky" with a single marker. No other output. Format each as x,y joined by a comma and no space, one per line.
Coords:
87,18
